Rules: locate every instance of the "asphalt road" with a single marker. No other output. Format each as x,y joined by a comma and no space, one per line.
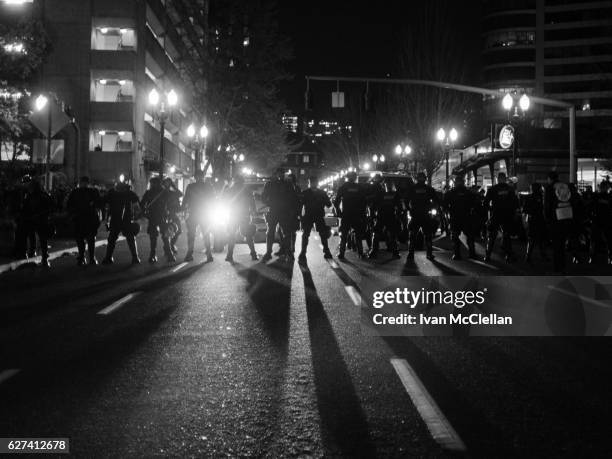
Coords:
254,359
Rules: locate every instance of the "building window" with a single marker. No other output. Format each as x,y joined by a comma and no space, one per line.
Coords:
508,39
114,39
306,159
110,140
110,90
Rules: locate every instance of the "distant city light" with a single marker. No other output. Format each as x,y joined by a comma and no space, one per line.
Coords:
172,169
172,98
453,135
15,48
122,178
104,30
507,102
103,81
41,102
524,102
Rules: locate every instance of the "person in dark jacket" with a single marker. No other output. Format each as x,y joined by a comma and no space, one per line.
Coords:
420,202
281,198
294,221
119,204
174,207
502,203
155,206
463,207
314,201
385,209
351,204
533,209
35,213
84,204
242,206
25,237
199,199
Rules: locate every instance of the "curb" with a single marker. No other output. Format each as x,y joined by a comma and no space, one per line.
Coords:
52,256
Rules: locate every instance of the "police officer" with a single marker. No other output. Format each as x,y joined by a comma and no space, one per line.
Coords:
385,208
155,206
199,197
242,204
119,203
462,206
35,213
601,217
559,213
314,201
281,199
24,235
85,204
420,202
293,222
533,209
350,204
174,207
502,203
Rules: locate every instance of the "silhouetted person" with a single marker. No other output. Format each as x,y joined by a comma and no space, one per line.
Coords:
502,202
559,213
120,203
420,201
199,199
533,208
350,204
314,201
35,213
155,205
85,204
242,206
463,206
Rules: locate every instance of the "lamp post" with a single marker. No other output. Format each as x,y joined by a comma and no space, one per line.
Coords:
448,143
198,143
508,103
161,104
377,159
40,104
404,152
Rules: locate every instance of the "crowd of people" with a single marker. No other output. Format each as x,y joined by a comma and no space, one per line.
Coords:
555,216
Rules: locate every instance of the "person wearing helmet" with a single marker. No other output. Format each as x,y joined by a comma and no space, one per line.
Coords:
199,196
502,202
462,206
293,219
85,204
420,200
242,205
313,204
119,203
174,207
155,204
384,209
350,204
281,198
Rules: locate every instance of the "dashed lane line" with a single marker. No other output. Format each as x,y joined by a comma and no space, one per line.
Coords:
8,374
440,428
354,295
179,267
117,304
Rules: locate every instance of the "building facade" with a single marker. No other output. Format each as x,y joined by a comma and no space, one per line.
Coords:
558,49
105,58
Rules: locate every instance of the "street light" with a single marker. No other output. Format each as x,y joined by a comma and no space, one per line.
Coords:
366,167
448,143
508,103
40,103
198,144
155,100
377,159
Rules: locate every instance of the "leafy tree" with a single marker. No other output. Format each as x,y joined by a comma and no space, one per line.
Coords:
246,62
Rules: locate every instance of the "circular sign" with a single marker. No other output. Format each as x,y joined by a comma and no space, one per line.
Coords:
506,137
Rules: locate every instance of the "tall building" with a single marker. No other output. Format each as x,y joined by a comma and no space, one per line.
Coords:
560,49
105,58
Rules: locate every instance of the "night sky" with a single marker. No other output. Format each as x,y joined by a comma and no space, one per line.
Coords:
358,38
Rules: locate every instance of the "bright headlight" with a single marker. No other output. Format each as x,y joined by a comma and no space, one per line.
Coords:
433,212
218,214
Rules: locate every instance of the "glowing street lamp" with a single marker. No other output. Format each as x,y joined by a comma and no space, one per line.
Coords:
198,144
160,104
448,143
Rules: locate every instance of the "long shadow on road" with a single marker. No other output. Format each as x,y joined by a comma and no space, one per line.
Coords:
345,429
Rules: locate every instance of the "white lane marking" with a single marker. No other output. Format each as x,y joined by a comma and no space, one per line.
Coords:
179,267
117,304
441,430
8,374
354,295
600,304
333,264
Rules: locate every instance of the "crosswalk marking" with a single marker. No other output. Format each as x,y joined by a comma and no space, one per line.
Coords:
8,374
440,428
117,304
